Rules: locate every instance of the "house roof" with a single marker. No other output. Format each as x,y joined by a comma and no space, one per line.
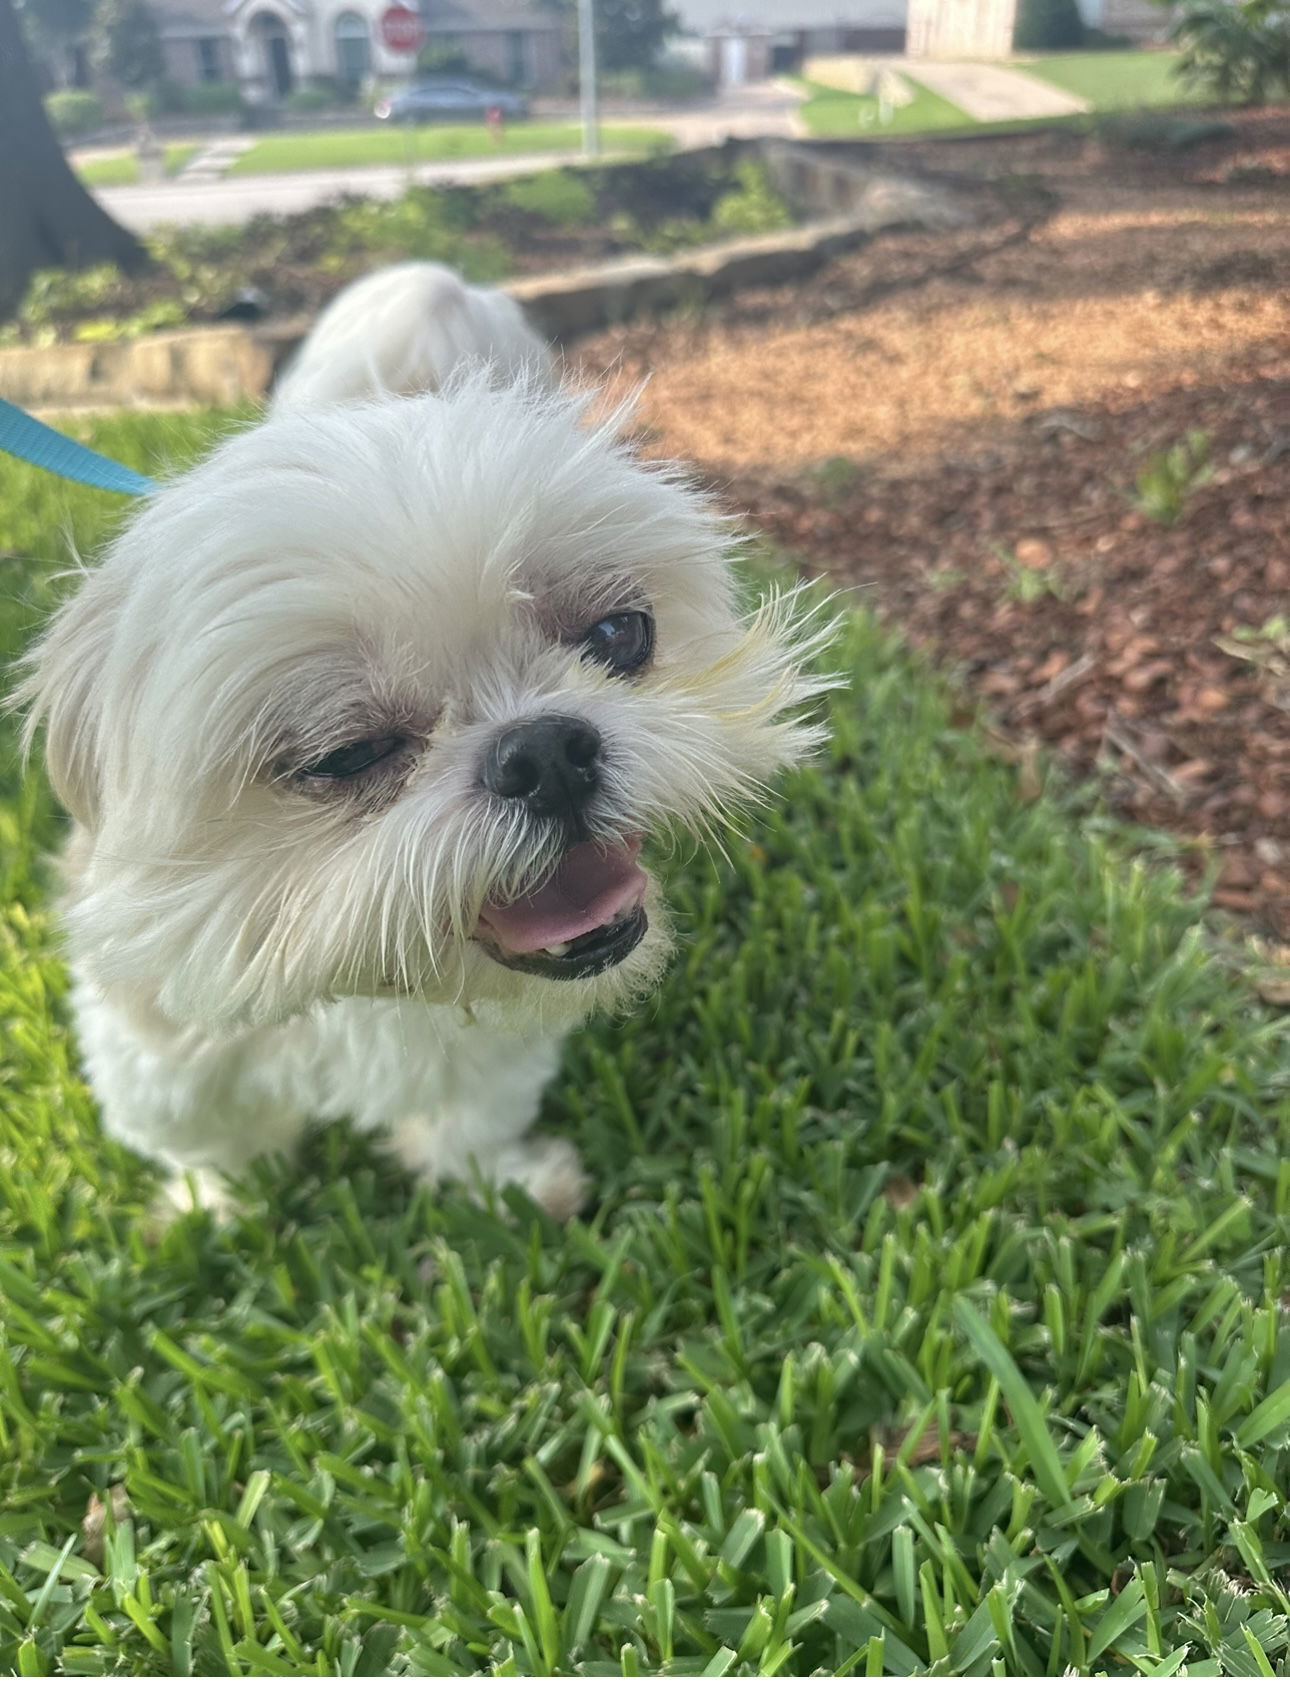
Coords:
441,17
780,17
203,17
462,17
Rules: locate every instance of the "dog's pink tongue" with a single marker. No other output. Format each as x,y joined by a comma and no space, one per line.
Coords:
591,884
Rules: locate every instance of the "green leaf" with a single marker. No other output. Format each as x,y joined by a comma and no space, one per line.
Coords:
1029,1419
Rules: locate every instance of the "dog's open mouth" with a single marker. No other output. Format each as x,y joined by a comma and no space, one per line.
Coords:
586,917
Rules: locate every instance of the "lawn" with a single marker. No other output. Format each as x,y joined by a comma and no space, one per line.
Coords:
338,149
121,169
929,1318
1114,81
830,113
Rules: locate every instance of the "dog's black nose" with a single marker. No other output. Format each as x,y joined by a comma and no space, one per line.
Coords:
552,765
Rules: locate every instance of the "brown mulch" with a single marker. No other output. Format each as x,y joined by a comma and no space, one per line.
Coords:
957,423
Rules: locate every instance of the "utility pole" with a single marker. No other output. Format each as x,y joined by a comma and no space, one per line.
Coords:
587,79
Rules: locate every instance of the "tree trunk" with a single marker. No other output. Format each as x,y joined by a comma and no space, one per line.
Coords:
47,219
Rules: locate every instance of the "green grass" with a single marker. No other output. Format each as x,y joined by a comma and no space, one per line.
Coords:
121,169
930,1317
336,149
1114,81
831,113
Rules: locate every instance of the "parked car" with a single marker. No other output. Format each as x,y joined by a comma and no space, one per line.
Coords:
437,100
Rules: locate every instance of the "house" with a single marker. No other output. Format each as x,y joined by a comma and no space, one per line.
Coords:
269,47
748,40
742,41
982,29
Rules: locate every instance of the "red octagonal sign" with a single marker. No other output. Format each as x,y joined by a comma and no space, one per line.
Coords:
401,29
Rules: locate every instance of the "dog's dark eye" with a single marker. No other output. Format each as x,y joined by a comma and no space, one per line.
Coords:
355,758
622,642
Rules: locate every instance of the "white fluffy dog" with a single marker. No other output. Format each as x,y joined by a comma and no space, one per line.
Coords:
363,724
405,329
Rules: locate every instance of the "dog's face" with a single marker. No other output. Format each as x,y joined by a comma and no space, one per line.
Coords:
386,699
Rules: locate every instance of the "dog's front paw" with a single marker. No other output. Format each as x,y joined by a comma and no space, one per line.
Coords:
196,1190
550,1173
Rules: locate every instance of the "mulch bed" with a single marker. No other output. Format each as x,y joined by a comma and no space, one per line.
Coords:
955,425
1124,642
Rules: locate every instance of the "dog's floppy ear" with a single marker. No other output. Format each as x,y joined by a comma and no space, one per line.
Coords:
64,690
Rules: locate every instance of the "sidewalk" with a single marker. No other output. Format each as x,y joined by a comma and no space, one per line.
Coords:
234,199
204,194
990,93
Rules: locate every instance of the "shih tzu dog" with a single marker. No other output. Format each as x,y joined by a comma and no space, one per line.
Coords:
405,329
365,725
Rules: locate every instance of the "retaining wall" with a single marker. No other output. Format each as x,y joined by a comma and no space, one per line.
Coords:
847,201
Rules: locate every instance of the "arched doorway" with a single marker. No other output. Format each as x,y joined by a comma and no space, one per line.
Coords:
353,50
275,50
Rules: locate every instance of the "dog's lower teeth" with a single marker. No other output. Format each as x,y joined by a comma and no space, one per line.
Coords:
557,951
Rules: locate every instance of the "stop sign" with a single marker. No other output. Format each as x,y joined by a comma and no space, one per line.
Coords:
401,29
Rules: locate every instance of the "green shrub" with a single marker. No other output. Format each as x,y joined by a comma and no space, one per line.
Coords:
662,189
411,227
319,95
209,99
1237,51
444,61
753,207
1047,26
673,79
83,304
559,197
74,112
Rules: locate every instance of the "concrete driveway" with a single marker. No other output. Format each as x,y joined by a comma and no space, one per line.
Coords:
767,109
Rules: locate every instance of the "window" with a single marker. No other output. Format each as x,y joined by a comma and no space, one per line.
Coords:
517,61
208,59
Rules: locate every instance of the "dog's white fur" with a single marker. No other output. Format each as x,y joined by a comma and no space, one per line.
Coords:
251,953
406,329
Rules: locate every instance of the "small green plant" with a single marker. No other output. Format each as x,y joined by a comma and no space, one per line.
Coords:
1236,51
1168,479
945,578
1023,584
559,197
1265,647
835,478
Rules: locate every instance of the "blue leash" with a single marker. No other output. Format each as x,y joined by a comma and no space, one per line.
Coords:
30,440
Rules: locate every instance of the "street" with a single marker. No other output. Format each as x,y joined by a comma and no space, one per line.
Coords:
764,109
